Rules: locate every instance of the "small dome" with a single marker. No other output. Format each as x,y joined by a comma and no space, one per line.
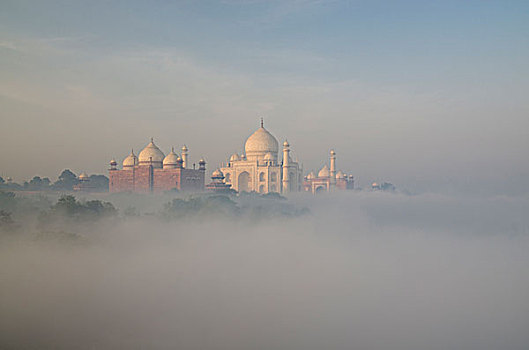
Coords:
333,153
171,158
324,172
340,175
201,161
285,144
217,173
113,162
311,175
83,176
151,153
234,157
261,142
184,148
131,160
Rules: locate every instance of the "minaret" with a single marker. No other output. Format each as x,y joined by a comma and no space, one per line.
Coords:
286,163
184,156
333,167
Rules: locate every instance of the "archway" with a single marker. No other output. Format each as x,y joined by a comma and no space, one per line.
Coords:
320,189
243,180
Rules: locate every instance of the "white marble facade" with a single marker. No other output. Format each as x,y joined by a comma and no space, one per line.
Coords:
258,168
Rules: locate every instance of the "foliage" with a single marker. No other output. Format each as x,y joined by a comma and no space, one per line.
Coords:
37,184
251,206
204,206
7,201
66,181
99,182
5,218
69,209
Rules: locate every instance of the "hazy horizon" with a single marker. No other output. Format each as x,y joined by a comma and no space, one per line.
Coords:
430,96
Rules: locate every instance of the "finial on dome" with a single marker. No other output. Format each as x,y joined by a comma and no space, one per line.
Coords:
262,122
152,139
172,149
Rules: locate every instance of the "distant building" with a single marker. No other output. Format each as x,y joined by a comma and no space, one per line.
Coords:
152,171
384,186
84,184
217,183
328,179
258,168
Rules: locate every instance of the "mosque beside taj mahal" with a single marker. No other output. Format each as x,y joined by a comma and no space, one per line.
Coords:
257,169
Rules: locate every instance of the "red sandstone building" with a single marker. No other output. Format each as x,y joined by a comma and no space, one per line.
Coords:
152,171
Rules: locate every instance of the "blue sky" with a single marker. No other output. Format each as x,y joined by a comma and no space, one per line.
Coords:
430,95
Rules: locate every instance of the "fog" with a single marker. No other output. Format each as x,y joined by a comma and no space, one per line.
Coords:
359,271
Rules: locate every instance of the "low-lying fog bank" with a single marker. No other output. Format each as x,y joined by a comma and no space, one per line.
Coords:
358,271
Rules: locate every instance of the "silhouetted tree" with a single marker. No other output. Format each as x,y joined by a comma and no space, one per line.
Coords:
5,218
7,201
37,184
99,182
66,181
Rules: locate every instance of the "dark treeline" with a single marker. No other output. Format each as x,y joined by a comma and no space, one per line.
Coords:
41,213
65,182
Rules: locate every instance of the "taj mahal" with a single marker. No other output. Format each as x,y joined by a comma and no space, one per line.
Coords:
259,169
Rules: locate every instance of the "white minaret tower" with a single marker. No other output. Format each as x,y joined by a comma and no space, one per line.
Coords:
333,167
184,156
286,163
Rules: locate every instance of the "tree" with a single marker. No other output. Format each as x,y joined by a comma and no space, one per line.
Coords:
99,182
66,181
5,218
7,201
37,183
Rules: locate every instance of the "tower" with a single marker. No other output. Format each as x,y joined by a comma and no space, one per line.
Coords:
184,156
333,167
286,163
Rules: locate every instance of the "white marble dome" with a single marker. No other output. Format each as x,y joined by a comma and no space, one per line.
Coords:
151,153
260,143
171,159
324,172
130,161
234,157
217,173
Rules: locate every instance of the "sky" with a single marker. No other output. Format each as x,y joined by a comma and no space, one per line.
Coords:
428,95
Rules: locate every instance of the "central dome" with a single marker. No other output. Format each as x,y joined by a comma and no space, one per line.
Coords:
260,143
151,154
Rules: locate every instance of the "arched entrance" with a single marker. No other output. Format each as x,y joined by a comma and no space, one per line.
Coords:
320,189
243,180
